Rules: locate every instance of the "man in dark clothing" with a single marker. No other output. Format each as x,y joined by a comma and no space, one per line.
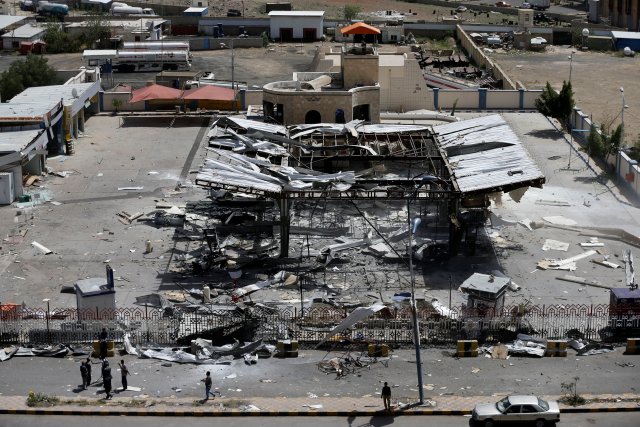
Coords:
83,372
103,344
207,386
124,371
88,365
386,397
103,349
106,378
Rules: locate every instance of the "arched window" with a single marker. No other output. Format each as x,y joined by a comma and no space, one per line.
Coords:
312,117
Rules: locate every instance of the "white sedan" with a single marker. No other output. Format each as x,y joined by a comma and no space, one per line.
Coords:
516,409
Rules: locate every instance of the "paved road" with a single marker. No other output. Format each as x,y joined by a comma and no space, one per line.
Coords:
573,420
273,378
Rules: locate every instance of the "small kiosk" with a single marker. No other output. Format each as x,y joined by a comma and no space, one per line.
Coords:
98,295
485,291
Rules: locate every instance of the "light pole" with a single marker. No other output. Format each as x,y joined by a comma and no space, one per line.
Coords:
414,310
47,317
622,112
570,57
585,33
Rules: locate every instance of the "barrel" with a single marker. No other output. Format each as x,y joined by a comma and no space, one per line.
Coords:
467,348
287,348
633,346
556,348
378,350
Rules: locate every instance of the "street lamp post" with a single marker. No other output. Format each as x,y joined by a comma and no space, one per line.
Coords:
47,317
570,57
414,310
622,116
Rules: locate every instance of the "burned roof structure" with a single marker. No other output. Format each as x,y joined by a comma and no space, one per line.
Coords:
450,169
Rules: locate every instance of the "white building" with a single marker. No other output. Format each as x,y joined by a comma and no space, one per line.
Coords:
287,26
26,33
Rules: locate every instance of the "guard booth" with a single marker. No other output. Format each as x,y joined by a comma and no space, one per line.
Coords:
624,314
96,296
485,292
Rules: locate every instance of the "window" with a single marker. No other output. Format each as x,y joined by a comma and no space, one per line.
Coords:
513,409
528,409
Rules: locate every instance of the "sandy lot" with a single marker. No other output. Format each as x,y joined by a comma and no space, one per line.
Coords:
596,78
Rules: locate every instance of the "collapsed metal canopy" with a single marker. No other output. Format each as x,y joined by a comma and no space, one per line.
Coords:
484,155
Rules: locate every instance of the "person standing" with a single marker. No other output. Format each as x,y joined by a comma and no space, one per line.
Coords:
103,344
106,378
124,371
83,372
207,386
88,365
386,397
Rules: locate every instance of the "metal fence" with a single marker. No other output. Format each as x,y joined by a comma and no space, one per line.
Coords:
147,326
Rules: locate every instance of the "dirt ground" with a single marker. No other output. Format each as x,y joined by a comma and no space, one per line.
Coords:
596,78
334,9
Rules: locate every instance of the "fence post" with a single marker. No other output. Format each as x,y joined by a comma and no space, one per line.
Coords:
146,321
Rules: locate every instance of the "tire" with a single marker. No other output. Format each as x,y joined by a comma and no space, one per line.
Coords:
488,423
541,423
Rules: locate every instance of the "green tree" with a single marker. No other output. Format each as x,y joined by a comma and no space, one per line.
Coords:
351,11
558,105
548,101
24,73
612,141
96,31
59,41
595,144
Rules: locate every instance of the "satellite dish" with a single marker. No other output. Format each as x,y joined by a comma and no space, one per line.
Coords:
74,92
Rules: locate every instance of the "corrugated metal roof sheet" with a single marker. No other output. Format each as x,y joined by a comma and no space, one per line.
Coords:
12,111
485,153
45,94
24,32
15,141
252,124
6,20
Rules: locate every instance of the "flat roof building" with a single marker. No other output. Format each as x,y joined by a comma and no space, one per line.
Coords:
288,26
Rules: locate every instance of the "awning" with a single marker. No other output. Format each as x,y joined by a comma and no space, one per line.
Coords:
210,93
359,28
155,92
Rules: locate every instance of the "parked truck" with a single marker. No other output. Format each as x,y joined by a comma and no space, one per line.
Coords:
539,4
125,9
56,10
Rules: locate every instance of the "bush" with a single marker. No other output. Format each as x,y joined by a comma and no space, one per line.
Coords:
41,400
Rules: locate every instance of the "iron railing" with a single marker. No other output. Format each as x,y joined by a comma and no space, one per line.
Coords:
147,326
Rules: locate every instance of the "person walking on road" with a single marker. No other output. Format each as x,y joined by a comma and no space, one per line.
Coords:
106,378
83,372
124,371
88,365
207,386
386,397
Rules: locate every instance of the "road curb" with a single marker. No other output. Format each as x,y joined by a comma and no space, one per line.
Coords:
226,414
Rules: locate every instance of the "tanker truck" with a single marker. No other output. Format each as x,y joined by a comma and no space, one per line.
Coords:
52,9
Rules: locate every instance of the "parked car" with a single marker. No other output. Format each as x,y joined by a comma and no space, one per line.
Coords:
502,4
526,5
461,9
517,409
234,12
